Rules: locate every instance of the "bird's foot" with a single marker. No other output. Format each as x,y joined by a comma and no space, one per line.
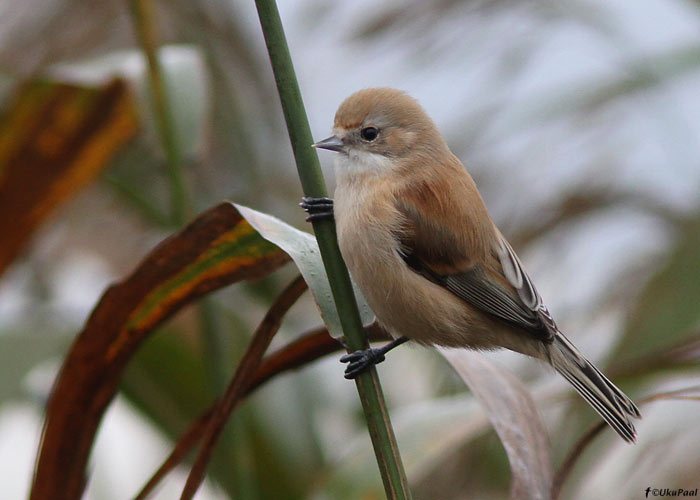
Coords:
359,361
317,208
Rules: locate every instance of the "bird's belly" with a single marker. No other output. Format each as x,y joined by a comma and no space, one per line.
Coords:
406,311
405,303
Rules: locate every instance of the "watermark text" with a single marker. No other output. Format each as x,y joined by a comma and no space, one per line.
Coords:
670,492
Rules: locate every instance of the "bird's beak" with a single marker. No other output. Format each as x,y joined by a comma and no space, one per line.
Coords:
333,143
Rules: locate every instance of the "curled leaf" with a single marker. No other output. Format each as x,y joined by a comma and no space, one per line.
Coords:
303,249
216,249
515,418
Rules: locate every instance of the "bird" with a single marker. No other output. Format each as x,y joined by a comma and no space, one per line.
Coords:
422,247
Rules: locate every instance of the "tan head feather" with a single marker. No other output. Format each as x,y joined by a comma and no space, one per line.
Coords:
401,123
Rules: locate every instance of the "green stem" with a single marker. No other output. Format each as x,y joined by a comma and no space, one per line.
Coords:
368,386
138,201
215,350
145,22
145,26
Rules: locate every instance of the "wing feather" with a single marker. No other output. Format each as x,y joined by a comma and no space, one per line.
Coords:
434,251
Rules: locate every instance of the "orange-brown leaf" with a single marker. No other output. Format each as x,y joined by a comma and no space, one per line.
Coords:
217,249
54,140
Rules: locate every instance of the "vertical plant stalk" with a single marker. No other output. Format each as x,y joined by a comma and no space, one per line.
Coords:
145,23
368,386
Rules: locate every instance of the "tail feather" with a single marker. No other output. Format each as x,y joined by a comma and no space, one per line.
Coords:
609,401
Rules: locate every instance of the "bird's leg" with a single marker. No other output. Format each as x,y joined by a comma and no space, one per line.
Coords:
359,361
317,208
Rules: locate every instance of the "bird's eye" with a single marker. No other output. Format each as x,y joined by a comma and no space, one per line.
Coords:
369,133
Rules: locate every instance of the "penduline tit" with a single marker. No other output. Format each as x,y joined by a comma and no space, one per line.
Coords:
421,245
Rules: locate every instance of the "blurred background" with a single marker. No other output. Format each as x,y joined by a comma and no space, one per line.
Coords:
580,122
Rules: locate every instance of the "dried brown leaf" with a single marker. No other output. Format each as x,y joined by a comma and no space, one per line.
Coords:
55,139
216,249
515,418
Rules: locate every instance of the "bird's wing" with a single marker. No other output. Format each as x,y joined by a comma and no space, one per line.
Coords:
494,282
521,282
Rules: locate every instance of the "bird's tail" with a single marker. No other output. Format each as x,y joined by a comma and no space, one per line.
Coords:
609,401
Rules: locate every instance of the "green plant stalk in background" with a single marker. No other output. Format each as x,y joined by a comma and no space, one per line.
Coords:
144,24
181,209
368,386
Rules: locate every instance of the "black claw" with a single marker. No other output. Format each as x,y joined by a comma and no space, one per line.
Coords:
312,200
318,208
315,204
319,216
359,361
351,372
